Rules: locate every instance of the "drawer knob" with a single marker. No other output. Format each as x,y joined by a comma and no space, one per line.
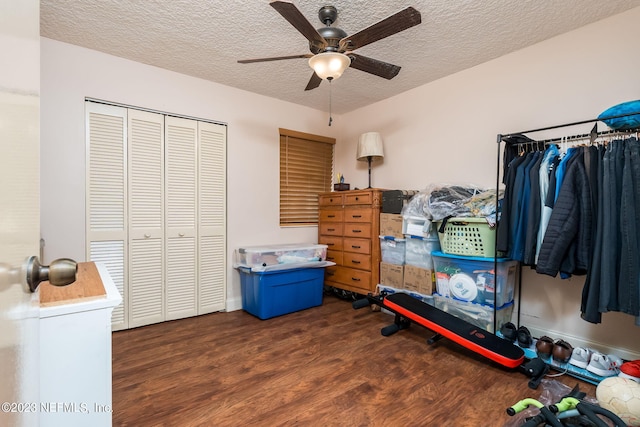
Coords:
355,262
331,216
355,247
331,229
355,279
356,216
357,198
357,231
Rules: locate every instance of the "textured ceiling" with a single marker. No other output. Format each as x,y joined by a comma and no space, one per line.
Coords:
205,38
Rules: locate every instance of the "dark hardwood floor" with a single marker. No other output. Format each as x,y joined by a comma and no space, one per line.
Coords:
324,366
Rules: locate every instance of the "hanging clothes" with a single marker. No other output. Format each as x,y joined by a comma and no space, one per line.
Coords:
523,186
613,283
566,246
577,214
547,168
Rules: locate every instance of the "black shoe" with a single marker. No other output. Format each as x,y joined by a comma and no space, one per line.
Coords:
524,337
508,331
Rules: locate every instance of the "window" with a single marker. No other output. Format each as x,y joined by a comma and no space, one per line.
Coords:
306,169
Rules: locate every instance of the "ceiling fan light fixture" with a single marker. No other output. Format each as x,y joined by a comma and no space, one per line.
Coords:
329,65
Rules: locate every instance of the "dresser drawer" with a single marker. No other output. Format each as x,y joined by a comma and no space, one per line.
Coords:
364,198
331,228
355,260
361,246
355,229
331,215
335,256
358,214
351,276
332,242
331,200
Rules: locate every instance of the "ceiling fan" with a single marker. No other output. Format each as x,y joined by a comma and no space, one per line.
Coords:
332,49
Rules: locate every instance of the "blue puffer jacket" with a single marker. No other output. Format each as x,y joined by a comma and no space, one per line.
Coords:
566,246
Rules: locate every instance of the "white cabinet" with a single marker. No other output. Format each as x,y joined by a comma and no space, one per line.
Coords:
156,211
75,350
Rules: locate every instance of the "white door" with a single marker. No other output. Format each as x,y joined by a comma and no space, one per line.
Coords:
212,248
146,217
181,279
19,209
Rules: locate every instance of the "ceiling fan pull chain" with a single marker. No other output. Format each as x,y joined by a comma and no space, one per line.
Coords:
330,118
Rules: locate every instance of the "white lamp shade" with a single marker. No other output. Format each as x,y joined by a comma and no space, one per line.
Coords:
329,65
370,145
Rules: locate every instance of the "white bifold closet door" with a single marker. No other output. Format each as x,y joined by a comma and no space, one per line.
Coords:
181,226
212,210
146,145
156,211
106,196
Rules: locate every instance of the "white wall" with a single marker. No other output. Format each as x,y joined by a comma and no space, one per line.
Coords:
71,73
445,132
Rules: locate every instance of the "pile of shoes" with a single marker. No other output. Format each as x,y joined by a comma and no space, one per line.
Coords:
604,365
513,334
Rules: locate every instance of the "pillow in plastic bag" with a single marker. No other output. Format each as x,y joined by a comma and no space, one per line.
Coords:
622,123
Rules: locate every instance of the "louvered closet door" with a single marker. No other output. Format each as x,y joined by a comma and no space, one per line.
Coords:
181,282
212,217
146,218
106,195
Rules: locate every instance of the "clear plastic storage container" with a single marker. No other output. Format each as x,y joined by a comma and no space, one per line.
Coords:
392,250
475,279
256,257
419,250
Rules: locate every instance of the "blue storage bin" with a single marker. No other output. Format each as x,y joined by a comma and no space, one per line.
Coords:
267,294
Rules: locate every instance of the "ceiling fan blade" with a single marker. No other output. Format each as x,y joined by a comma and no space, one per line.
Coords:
291,13
373,66
400,21
275,58
314,82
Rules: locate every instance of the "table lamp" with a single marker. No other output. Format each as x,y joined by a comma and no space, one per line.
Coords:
370,146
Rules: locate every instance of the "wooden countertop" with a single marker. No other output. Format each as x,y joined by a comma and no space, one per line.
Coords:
88,286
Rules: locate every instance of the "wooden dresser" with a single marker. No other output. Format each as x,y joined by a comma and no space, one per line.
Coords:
350,226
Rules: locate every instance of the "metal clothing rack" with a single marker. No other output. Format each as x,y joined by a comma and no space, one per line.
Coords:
594,134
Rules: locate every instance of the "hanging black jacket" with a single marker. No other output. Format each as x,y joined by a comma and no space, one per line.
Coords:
567,242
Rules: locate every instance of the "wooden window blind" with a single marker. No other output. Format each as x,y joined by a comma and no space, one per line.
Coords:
306,169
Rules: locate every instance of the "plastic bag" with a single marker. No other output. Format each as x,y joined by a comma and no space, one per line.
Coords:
439,201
